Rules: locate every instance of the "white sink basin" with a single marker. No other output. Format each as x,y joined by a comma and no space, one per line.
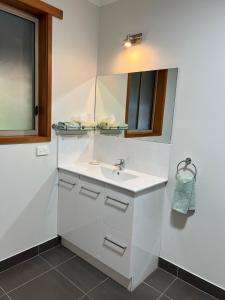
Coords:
127,179
116,175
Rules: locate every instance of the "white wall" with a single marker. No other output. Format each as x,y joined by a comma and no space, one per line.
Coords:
75,47
72,149
188,35
28,200
111,93
142,156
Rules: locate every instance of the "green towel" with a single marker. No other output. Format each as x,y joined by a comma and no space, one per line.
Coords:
113,125
103,125
184,196
68,126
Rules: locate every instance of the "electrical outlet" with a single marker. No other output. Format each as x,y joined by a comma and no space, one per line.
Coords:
42,150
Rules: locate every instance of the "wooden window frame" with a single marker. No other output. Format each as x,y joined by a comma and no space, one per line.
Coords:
158,109
44,13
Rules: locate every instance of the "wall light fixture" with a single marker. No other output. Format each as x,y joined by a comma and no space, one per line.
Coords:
132,40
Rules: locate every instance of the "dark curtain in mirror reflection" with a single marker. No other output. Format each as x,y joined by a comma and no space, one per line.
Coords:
141,90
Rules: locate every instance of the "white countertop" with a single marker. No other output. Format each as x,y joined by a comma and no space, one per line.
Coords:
107,173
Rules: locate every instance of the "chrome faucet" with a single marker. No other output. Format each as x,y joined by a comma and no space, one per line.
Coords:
121,164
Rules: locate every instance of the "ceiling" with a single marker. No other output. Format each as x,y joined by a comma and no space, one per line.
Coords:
102,2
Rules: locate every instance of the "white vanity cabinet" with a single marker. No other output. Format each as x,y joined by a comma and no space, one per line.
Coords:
114,229
79,213
68,187
117,227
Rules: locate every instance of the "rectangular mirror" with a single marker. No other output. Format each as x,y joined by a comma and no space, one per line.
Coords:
142,100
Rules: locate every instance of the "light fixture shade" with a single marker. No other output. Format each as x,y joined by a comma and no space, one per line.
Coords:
132,40
127,41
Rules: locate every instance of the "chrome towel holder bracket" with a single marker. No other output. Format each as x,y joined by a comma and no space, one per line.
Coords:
187,162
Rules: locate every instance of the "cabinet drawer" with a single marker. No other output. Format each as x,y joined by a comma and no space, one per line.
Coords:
90,188
68,180
68,186
115,251
118,210
87,223
84,214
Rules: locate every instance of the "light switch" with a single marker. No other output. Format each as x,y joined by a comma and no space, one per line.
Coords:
42,150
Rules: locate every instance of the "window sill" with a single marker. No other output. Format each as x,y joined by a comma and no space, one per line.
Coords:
6,140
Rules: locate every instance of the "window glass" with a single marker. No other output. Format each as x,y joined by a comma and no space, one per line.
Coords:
17,73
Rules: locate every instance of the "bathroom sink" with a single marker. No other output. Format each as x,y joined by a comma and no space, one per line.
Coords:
116,175
127,179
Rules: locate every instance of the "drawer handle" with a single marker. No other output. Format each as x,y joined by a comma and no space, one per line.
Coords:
66,182
114,243
90,191
117,201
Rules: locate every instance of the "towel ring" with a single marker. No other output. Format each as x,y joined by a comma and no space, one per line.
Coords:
187,162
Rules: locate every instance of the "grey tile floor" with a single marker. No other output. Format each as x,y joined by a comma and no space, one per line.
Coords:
60,275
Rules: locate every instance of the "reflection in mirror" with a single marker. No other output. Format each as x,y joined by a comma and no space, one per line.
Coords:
143,100
146,93
140,100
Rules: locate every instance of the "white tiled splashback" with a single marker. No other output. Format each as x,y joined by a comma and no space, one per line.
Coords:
142,156
72,149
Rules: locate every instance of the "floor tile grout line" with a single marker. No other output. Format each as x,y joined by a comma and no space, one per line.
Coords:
3,292
9,297
58,265
6,294
69,280
152,287
57,246
164,293
92,289
55,268
89,297
22,262
25,283
197,288
85,293
100,283
169,286
51,268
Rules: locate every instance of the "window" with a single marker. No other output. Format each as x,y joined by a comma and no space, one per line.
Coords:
18,73
25,70
145,103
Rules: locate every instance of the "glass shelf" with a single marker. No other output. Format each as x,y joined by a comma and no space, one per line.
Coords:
106,131
71,132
